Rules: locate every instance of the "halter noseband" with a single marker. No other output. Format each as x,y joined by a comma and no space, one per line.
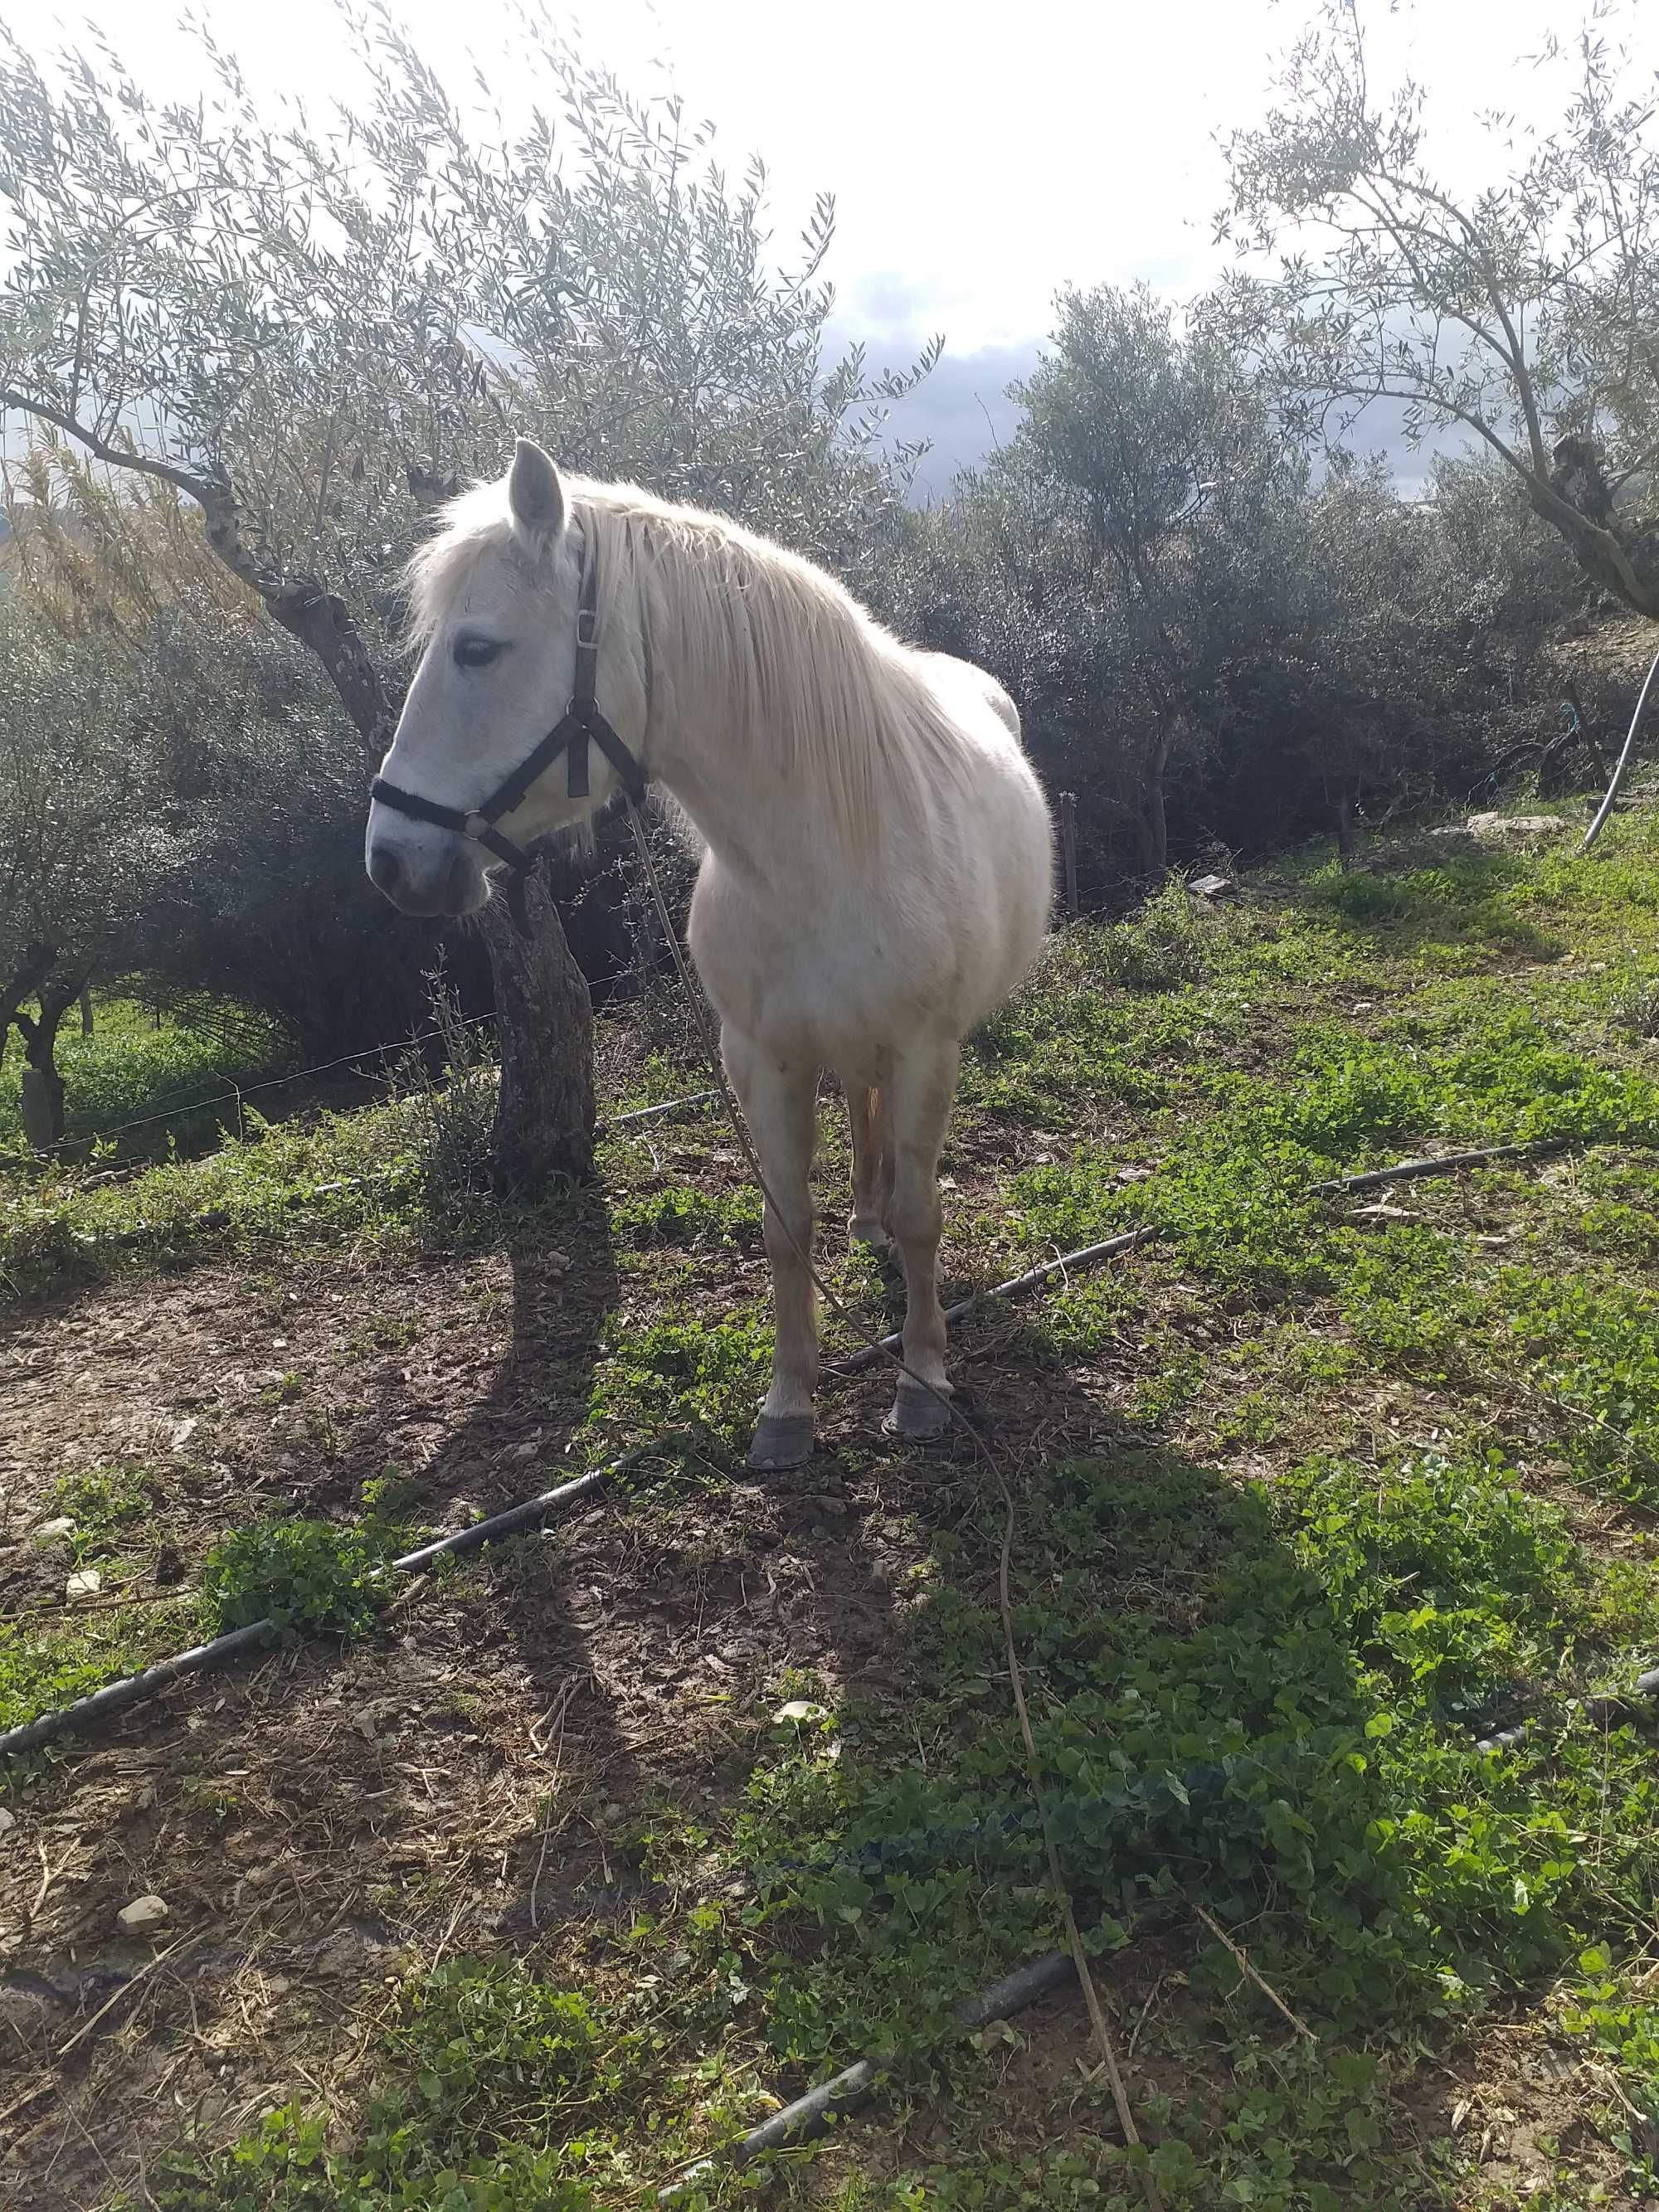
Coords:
580,721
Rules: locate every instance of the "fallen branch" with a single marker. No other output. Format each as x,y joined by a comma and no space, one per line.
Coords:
1091,1255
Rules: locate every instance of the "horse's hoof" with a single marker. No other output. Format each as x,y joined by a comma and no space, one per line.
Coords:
919,1414
781,1440
863,1230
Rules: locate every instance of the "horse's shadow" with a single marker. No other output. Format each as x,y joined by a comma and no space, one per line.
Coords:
648,1622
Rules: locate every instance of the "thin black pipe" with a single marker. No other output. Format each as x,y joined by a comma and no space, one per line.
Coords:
806,2116
138,1689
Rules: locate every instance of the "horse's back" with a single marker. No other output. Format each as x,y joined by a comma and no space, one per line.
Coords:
948,675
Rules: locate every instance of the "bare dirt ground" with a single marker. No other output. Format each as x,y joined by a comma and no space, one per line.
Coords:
313,1819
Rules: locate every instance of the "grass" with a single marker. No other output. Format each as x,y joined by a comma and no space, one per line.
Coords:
1312,1495
136,1068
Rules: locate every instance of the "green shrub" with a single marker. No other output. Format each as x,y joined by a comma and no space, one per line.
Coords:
309,1575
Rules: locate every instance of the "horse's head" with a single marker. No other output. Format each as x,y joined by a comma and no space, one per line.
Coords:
496,608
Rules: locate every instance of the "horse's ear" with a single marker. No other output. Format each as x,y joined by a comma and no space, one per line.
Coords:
534,494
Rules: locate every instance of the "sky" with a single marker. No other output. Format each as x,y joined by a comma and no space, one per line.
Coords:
981,156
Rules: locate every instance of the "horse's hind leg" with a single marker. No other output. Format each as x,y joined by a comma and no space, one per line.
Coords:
872,1165
919,1104
778,1103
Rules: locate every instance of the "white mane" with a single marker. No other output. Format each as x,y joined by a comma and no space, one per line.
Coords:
772,646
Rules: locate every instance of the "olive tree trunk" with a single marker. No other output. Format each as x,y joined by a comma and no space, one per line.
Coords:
44,1118
544,1022
545,1115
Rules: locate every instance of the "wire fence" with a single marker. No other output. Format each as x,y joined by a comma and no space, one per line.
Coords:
238,1092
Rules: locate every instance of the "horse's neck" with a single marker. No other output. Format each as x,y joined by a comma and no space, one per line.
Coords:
770,838
765,821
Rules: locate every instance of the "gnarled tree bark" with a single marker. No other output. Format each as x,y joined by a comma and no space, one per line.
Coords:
44,1119
544,1114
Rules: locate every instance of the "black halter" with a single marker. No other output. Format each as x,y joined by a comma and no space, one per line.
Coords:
580,721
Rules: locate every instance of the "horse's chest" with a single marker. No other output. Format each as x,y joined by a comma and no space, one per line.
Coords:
819,978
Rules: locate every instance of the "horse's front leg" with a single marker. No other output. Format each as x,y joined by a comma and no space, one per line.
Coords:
778,1099
919,1105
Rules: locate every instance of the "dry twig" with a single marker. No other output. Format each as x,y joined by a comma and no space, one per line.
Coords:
1265,1986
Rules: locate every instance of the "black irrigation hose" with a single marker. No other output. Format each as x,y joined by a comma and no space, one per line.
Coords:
807,2114
1091,1255
803,2117
139,1689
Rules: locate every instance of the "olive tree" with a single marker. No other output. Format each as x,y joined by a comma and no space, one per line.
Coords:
1525,313
270,906
1149,454
81,848
314,331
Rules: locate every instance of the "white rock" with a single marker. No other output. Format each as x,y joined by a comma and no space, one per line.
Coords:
85,1581
8,1821
1517,825
800,1709
142,1913
54,1532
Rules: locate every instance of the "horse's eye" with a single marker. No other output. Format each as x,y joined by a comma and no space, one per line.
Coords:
476,652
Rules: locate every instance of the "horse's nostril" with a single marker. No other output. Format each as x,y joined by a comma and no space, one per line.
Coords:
385,868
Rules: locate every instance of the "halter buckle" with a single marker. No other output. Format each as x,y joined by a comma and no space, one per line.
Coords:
476,823
587,629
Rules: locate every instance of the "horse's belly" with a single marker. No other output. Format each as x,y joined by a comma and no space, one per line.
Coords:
848,981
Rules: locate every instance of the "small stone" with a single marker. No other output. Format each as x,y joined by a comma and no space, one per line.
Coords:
799,1709
54,1532
143,1913
183,1431
85,1581
8,1821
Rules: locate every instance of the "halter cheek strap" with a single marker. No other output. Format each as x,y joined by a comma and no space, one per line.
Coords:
581,721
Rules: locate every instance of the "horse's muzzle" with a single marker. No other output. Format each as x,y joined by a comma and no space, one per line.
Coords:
447,882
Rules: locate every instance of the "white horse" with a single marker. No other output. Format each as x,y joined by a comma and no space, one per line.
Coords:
877,869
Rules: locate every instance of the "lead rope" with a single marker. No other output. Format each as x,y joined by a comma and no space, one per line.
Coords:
1005,1604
